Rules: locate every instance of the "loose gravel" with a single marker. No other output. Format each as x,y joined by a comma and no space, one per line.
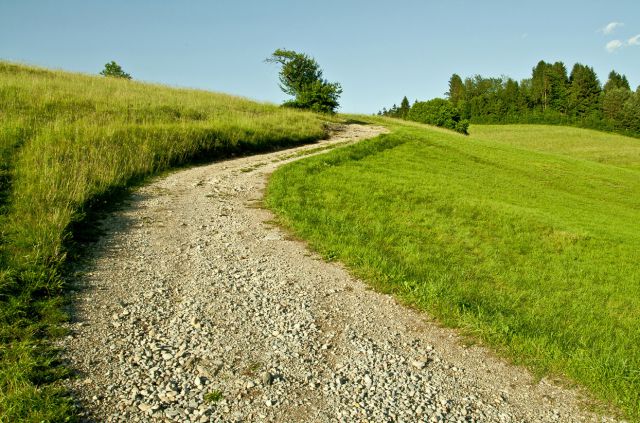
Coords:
194,307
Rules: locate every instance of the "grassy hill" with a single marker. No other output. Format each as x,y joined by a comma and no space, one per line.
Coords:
584,144
526,237
68,141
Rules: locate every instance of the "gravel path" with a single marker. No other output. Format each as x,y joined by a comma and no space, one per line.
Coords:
193,307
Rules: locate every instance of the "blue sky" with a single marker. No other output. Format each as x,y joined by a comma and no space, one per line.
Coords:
378,50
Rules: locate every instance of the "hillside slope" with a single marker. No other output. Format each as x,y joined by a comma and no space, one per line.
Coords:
531,246
68,141
586,144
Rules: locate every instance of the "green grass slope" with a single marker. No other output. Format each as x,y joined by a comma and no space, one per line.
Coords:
584,144
67,140
520,235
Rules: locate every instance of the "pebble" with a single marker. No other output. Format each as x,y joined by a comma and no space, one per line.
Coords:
266,378
144,407
418,364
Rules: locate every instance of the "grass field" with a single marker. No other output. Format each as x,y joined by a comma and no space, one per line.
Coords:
526,237
68,141
586,144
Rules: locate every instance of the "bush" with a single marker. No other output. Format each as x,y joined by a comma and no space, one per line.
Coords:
318,97
462,127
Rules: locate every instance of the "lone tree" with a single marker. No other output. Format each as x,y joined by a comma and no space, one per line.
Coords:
301,77
114,70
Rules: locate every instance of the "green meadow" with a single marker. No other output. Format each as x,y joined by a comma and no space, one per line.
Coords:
68,144
586,144
524,237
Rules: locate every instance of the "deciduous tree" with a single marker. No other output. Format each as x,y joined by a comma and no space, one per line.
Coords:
301,77
630,117
613,103
549,86
439,112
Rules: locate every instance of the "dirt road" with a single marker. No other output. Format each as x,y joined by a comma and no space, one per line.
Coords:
194,307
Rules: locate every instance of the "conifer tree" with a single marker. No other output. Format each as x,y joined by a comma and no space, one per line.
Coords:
616,81
559,87
404,108
456,89
584,91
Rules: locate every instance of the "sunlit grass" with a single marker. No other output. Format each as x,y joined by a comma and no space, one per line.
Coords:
585,144
67,140
522,238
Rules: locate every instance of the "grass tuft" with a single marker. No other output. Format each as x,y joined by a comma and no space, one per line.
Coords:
213,397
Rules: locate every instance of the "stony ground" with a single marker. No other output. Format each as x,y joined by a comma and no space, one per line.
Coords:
194,307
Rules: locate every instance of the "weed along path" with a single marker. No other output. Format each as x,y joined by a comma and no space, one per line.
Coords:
194,307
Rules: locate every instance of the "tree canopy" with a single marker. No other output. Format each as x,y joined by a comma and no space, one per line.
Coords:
438,112
584,92
112,69
301,77
616,81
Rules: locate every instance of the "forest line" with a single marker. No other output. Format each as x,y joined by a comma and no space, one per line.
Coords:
550,96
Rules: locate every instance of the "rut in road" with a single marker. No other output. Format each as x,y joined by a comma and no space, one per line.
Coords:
194,307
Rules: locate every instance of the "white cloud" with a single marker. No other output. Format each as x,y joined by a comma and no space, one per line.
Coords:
611,26
614,45
634,41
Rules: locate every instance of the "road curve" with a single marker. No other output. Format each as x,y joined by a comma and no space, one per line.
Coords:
194,307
